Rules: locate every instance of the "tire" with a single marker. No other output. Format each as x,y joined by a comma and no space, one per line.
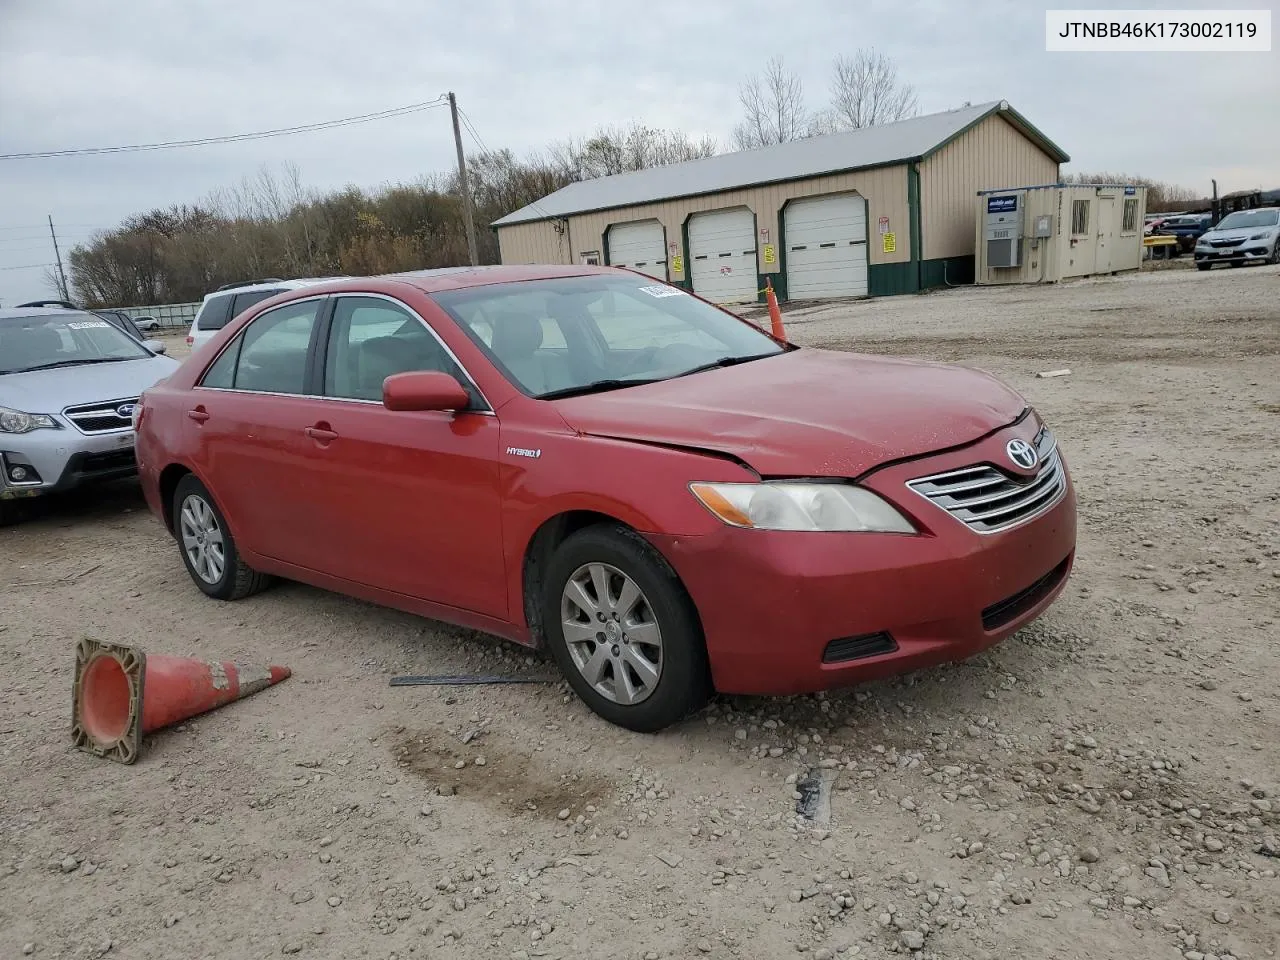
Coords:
197,522
1275,254
1204,266
622,689
9,513
1237,263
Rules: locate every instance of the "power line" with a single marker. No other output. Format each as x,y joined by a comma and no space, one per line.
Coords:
232,138
28,266
481,144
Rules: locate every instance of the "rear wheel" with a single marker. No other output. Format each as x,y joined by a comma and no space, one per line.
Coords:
208,549
623,630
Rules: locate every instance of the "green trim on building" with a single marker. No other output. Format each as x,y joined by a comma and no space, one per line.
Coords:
946,272
686,275
892,279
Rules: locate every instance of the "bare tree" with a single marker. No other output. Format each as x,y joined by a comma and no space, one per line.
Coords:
1161,195
773,108
866,90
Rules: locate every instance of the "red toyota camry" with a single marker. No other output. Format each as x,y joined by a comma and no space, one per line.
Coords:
668,498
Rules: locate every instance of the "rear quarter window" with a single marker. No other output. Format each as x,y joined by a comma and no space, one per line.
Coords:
214,314
243,301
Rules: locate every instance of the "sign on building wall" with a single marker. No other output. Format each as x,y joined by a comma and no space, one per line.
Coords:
770,254
884,225
1002,204
677,264
890,242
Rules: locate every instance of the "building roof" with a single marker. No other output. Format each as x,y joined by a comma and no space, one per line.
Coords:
889,143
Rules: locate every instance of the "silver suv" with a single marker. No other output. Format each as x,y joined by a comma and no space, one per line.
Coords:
232,299
1242,237
68,384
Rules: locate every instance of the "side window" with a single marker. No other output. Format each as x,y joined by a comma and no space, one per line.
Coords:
273,349
1130,222
215,313
1079,218
221,374
371,339
243,301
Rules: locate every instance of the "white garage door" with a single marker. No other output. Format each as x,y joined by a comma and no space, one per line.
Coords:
826,247
641,246
722,255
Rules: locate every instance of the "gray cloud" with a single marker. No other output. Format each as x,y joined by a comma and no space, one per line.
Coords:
79,73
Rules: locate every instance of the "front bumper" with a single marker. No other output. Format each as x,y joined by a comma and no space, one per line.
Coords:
63,459
1257,250
778,608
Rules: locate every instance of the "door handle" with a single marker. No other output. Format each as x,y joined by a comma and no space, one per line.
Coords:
199,414
321,433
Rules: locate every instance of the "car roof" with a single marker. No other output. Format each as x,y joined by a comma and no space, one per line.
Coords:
271,285
15,313
456,278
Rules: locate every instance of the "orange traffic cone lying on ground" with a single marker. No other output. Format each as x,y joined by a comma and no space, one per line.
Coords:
775,315
121,694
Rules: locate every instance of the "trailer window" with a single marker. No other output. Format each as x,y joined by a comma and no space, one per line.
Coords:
1079,218
1130,222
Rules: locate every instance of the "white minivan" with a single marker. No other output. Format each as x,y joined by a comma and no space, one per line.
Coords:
232,299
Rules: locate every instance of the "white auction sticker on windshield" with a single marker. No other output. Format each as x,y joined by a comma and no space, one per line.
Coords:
87,324
662,290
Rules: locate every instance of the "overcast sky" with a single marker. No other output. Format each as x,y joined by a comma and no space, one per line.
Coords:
84,73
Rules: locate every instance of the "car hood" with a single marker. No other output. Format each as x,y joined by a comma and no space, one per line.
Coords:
49,391
806,413
1237,233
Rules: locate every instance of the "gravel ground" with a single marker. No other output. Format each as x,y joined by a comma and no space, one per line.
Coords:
1104,784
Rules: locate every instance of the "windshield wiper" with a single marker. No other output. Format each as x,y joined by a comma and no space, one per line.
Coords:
726,362
596,386
73,363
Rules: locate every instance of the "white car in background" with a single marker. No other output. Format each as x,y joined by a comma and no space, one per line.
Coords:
1246,236
232,299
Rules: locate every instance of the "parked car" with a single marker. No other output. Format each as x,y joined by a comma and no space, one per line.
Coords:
1186,228
1245,236
68,383
664,495
124,323
147,324
232,299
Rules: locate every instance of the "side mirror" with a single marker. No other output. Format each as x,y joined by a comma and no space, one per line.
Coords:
423,390
158,347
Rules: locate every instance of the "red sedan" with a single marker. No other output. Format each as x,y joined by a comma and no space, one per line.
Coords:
668,498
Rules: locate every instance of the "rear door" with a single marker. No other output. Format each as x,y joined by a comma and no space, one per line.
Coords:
409,501
251,410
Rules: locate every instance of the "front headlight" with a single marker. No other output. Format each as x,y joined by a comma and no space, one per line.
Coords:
1264,235
801,505
16,421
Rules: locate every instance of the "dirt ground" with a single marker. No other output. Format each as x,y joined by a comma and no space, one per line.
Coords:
1104,784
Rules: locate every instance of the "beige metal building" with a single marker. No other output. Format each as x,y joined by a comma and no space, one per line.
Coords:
1055,231
882,210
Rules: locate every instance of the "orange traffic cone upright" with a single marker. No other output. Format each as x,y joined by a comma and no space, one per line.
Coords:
775,315
121,694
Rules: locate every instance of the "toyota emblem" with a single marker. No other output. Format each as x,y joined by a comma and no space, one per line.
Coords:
1022,454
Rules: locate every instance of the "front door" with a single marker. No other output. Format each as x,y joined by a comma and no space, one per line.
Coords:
409,500
1105,232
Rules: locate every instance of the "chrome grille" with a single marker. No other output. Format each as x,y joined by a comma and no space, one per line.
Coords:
988,500
100,417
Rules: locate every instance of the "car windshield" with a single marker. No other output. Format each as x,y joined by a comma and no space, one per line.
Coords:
571,335
63,340
1249,218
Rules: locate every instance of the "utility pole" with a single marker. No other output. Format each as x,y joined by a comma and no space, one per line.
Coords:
61,275
462,182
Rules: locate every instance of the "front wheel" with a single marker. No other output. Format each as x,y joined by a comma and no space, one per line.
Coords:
208,549
623,630
1204,266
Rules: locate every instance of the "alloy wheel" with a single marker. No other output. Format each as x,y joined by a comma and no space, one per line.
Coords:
202,539
611,633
